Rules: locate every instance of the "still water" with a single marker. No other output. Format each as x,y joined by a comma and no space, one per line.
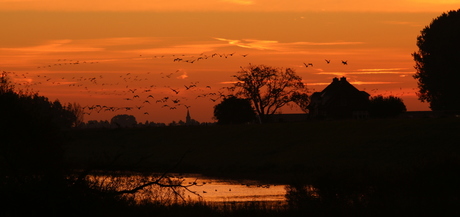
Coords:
197,188
215,190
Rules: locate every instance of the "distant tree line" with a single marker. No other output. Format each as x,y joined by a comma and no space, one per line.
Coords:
129,121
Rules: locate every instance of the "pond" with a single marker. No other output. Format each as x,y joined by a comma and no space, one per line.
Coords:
190,187
218,190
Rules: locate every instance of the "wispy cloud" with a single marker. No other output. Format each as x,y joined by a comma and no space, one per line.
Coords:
55,46
240,2
369,71
378,70
183,75
229,5
115,48
316,84
228,82
352,82
373,82
383,71
327,43
280,46
181,48
403,23
252,43
122,41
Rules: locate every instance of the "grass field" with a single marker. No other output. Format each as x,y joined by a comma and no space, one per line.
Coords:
274,151
391,167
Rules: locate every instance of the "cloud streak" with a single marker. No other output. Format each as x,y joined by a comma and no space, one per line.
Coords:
55,46
353,82
230,5
403,23
280,46
369,72
240,2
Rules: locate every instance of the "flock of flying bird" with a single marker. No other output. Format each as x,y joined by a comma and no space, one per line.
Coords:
344,62
64,62
135,88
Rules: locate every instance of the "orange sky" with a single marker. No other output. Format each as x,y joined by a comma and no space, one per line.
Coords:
121,55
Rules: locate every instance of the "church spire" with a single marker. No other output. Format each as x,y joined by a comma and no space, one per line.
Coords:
188,119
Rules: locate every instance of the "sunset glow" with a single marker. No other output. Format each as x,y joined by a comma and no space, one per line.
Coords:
155,59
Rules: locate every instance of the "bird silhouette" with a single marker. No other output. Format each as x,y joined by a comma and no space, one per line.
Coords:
328,61
345,62
175,90
308,64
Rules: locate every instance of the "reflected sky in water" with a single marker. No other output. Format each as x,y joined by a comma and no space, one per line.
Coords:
199,188
213,190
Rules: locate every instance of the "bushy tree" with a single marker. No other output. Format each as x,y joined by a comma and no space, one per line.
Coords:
386,107
437,62
268,88
124,120
233,110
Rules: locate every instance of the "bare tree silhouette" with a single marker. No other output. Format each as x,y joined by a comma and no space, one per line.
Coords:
268,88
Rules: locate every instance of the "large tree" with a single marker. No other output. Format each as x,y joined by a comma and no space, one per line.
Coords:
438,71
268,88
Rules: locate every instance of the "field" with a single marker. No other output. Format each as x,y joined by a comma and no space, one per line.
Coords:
388,167
273,151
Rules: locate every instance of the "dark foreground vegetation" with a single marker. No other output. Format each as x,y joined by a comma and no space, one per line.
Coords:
386,167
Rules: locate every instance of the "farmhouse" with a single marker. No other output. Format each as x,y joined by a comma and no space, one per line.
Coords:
339,100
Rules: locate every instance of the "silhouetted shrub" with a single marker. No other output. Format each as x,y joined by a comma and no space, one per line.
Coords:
386,107
233,110
123,121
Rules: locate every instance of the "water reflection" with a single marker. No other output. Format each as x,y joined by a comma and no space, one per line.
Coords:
140,188
187,188
215,190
